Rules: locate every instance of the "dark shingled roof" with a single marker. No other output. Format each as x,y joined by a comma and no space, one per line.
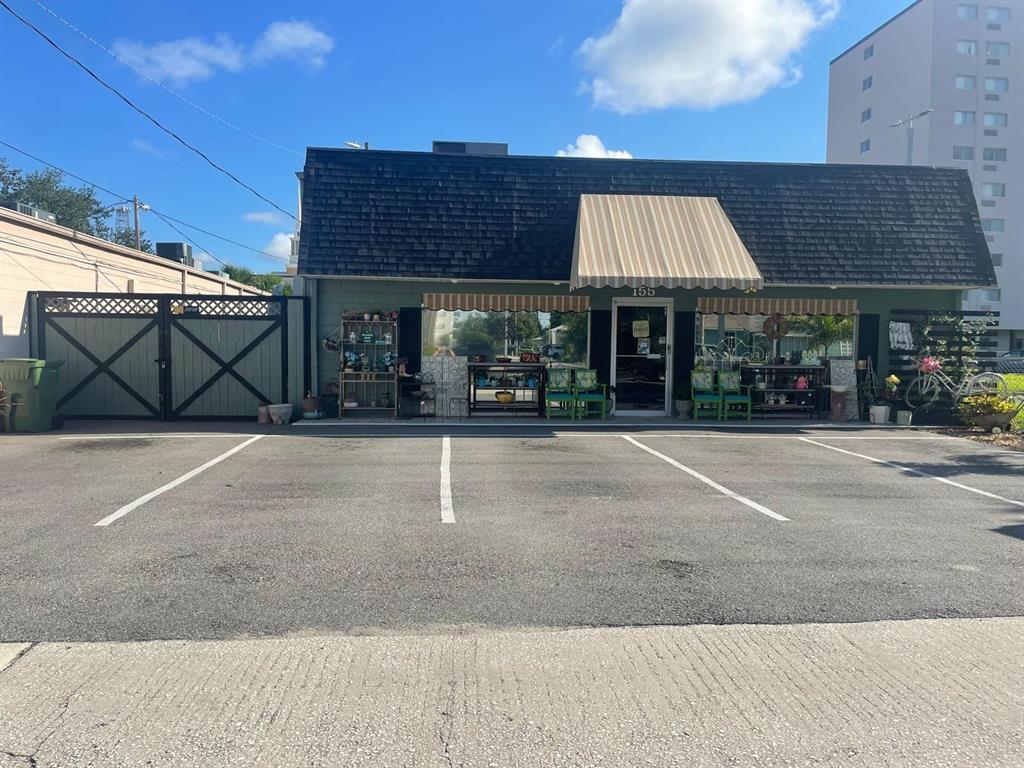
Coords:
424,215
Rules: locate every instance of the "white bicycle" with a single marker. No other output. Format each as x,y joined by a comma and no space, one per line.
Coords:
925,389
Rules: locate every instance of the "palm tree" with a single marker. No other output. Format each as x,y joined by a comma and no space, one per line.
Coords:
825,331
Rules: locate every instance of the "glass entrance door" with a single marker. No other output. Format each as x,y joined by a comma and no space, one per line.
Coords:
642,357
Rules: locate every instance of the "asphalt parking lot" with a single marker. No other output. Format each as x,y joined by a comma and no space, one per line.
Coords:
419,530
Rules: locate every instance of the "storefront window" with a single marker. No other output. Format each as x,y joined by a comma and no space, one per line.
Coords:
739,338
555,336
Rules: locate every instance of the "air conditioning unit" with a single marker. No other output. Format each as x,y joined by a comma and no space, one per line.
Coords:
28,210
179,252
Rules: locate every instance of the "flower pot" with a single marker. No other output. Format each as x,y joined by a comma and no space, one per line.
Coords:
280,413
879,414
366,315
310,404
683,408
262,415
903,418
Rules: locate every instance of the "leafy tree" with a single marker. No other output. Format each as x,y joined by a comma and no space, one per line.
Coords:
75,207
126,237
265,282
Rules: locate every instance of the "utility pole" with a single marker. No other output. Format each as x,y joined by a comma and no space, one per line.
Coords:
138,235
909,122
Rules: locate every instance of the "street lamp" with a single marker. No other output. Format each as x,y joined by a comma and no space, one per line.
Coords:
909,122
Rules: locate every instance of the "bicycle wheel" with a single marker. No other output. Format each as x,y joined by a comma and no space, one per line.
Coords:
922,391
988,384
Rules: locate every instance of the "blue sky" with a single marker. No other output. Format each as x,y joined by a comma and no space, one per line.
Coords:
705,79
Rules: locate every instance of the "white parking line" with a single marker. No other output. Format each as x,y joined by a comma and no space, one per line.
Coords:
707,480
447,512
173,484
151,435
914,472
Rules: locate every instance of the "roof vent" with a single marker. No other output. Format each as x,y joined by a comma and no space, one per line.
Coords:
477,148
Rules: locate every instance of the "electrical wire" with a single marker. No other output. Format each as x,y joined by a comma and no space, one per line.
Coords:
194,243
161,214
130,103
168,89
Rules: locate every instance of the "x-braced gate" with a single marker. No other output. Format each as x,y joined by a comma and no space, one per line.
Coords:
162,356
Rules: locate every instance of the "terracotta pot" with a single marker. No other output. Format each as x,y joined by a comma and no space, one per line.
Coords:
310,404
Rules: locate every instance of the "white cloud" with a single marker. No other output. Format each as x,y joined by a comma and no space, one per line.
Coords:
199,58
298,40
180,61
588,145
556,46
146,148
280,246
203,260
265,217
699,54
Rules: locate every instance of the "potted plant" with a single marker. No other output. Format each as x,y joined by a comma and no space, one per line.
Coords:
879,411
683,403
989,411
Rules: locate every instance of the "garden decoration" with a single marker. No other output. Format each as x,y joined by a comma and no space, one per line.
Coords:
932,380
990,411
880,409
775,327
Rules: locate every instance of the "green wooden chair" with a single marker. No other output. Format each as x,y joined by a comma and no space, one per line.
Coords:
559,398
705,397
733,396
589,394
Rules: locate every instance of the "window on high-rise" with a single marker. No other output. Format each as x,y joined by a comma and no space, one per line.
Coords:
997,259
865,146
869,52
997,50
865,115
963,118
963,153
996,119
991,294
993,189
967,11
993,225
967,46
997,84
994,154
868,82
966,82
997,14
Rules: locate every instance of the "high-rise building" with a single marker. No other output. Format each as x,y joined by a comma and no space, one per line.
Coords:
965,62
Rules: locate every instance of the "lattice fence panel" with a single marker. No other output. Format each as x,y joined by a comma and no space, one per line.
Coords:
100,304
225,306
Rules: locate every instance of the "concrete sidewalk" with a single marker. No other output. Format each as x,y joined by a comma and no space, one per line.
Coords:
936,693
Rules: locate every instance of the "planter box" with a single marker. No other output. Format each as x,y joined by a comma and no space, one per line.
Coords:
879,414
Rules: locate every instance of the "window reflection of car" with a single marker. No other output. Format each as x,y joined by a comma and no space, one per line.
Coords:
554,351
1014,353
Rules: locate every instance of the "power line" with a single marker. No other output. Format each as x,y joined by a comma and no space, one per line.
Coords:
169,90
141,111
194,243
161,214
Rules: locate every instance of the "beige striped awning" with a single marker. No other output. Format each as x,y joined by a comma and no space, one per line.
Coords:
659,242
743,305
501,302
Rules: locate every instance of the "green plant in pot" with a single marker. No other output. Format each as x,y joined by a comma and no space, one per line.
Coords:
989,411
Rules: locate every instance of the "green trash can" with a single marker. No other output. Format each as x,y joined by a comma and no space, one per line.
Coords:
31,389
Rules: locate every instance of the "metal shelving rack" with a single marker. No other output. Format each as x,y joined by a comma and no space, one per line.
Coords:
370,386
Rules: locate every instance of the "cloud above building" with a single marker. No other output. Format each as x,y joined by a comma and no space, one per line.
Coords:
191,59
699,54
589,145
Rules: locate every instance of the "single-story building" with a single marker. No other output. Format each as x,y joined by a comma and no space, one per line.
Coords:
639,269
36,255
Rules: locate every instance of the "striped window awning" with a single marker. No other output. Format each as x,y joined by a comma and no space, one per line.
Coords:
658,242
742,305
502,302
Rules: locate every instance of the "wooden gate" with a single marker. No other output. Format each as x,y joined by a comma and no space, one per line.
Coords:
160,356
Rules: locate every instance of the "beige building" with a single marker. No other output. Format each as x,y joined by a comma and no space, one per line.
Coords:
38,256
963,59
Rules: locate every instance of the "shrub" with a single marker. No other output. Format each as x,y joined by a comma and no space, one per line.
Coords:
986,405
